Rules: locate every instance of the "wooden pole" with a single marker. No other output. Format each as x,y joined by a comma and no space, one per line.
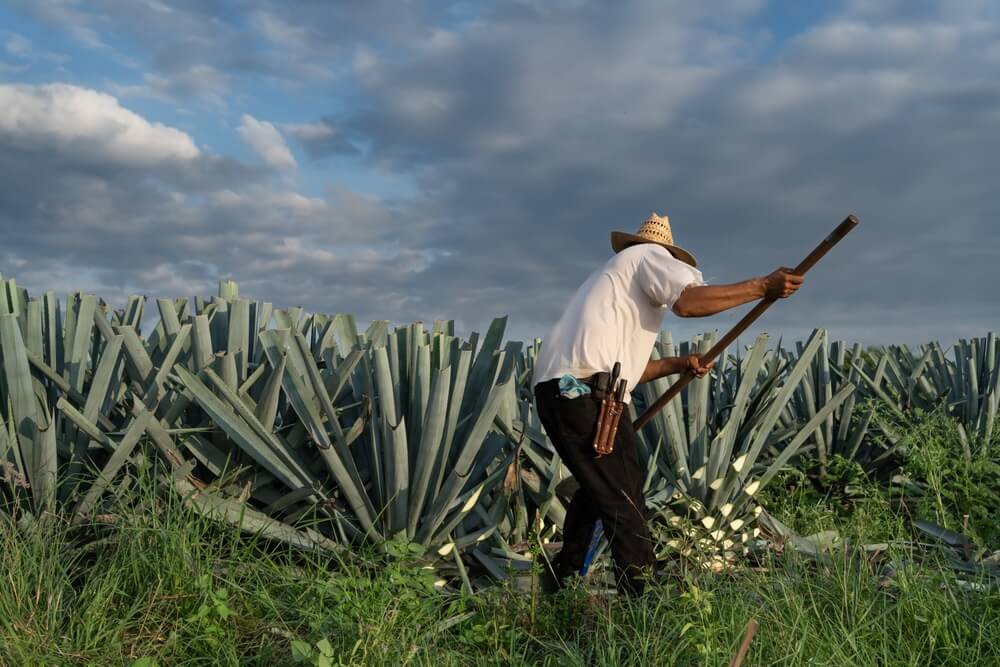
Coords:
745,645
849,223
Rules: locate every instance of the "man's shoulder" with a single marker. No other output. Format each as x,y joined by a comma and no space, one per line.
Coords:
631,255
650,252
654,256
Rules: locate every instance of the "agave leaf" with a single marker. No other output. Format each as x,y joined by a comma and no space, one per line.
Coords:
267,407
138,364
721,455
399,487
792,447
295,383
238,429
949,537
430,445
697,394
157,431
669,422
79,345
855,442
301,382
384,385
246,388
463,465
459,375
155,386
781,398
35,455
33,330
480,372
289,499
168,319
103,387
375,335
251,521
467,501
419,397
122,452
201,344
53,331
238,335
335,381
133,311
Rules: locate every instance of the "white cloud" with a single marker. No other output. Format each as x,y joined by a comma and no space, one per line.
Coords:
76,21
267,142
310,131
514,133
197,81
78,120
278,31
18,46
21,48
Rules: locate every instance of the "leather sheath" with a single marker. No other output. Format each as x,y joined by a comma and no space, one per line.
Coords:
602,419
607,416
612,408
605,442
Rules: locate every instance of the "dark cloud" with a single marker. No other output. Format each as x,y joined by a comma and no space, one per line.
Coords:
533,129
323,139
533,143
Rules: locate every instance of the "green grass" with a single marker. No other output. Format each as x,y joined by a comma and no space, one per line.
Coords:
159,585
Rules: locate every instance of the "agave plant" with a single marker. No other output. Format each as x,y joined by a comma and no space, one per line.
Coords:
848,431
700,451
388,434
61,399
374,436
968,383
707,444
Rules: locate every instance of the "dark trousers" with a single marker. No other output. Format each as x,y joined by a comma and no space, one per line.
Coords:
610,487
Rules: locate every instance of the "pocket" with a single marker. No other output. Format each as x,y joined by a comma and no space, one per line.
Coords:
578,416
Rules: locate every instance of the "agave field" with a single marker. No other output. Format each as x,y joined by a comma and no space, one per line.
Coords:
423,448
301,428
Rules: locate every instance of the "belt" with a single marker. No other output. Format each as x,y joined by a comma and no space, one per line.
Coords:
598,382
591,381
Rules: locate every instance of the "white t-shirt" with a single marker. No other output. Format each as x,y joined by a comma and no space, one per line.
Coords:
615,315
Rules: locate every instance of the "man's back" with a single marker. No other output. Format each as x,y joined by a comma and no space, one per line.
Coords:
615,315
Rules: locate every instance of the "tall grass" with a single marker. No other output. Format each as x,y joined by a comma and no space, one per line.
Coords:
155,584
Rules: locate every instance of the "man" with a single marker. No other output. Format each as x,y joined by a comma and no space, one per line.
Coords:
615,315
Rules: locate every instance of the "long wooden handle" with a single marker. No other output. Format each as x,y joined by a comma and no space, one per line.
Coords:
748,634
849,223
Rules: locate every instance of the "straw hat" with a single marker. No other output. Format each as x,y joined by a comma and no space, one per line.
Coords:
656,229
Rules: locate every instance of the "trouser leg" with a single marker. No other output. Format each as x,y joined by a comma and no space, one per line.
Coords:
628,532
578,531
612,483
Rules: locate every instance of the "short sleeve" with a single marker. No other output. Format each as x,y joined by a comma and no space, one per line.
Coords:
663,277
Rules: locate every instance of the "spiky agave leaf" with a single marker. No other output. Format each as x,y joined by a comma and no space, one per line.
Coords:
708,513
968,383
847,432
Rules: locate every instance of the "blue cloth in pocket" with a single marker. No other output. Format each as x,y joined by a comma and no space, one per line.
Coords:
570,387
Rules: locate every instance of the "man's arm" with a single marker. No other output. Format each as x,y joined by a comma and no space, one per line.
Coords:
657,368
702,300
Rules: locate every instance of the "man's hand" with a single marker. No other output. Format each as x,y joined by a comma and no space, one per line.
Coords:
781,283
694,365
658,368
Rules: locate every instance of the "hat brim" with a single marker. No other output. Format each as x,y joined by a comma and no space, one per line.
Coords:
622,240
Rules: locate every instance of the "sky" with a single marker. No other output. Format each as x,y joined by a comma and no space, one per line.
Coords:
464,160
